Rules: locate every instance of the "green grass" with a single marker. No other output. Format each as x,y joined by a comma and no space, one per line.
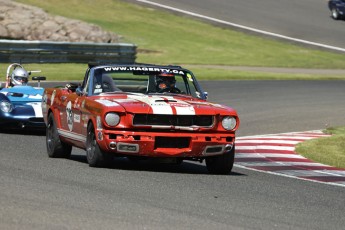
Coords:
170,39
326,150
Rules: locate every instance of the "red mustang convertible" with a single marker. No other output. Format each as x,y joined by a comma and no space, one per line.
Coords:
140,111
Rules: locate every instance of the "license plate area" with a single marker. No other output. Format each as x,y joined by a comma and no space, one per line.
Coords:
172,142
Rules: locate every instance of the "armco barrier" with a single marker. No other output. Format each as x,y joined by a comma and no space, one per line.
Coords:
18,51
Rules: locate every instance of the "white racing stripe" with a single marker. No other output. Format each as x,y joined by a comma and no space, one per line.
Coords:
37,108
107,102
165,105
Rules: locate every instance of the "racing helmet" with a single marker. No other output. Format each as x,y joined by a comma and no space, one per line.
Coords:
165,80
19,76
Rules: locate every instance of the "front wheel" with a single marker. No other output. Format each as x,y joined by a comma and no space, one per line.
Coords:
94,155
335,14
55,147
221,164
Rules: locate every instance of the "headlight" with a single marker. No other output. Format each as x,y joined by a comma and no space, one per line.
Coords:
229,123
112,119
6,106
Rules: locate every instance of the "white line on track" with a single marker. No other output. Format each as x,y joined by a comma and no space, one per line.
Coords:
243,27
265,147
239,141
264,155
278,163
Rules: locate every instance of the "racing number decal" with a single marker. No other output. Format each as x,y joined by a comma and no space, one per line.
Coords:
69,114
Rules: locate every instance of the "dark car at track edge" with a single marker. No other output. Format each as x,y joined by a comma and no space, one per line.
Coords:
337,8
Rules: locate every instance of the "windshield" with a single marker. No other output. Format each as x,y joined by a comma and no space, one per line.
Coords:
145,81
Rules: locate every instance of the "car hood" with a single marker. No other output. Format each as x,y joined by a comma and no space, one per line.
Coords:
23,94
169,105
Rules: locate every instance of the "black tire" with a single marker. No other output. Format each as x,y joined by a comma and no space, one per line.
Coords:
55,147
94,155
221,164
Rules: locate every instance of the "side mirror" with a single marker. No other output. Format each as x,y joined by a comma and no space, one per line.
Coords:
79,91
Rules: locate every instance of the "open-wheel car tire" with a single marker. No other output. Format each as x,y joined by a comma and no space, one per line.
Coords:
55,147
221,164
335,14
94,155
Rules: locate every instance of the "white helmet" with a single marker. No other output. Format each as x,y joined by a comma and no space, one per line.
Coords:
19,76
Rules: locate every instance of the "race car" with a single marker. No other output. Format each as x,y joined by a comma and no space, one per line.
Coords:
20,103
337,8
139,111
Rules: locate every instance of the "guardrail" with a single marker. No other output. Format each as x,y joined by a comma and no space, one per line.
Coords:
20,51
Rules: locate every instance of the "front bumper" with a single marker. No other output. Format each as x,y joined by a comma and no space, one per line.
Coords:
165,144
20,122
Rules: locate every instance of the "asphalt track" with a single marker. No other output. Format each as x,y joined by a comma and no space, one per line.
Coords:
307,20
41,193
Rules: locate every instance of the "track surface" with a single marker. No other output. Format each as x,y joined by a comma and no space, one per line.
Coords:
301,19
41,193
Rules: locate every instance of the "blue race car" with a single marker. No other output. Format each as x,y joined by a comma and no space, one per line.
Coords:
20,104
337,8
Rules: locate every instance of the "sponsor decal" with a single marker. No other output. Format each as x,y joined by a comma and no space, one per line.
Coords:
98,89
146,69
85,119
44,101
69,114
76,118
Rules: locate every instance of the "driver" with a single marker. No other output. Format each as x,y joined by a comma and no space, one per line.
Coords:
165,82
19,76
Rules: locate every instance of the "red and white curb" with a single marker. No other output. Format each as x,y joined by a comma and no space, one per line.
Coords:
275,154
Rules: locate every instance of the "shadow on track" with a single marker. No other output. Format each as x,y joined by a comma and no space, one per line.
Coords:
26,132
186,167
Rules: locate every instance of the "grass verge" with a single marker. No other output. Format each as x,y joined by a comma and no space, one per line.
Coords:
326,150
170,39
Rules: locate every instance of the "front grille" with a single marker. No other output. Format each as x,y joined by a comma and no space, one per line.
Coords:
36,119
172,142
173,120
